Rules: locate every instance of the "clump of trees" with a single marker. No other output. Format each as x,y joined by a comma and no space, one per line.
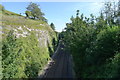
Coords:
95,43
111,12
34,12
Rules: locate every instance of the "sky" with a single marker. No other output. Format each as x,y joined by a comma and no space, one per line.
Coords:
58,13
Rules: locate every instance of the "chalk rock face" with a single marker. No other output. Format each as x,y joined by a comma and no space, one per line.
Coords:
42,35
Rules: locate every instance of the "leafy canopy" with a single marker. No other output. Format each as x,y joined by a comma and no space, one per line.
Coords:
34,12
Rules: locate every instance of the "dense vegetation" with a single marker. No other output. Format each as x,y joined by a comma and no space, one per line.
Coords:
25,55
23,58
95,43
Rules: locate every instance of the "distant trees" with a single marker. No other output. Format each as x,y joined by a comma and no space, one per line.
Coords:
118,14
52,26
111,12
34,12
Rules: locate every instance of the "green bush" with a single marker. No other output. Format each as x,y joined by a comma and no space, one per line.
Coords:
105,46
100,53
22,57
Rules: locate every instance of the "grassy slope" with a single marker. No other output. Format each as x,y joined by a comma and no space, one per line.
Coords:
6,12
33,56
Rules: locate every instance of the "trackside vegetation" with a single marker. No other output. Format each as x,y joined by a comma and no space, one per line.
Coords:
27,45
94,43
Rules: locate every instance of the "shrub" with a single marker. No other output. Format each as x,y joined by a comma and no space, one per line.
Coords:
101,51
22,57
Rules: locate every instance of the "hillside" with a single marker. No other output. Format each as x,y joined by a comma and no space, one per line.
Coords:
27,45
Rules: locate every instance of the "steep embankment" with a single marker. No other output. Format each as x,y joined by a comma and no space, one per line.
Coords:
27,45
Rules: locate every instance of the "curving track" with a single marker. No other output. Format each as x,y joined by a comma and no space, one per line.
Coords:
60,66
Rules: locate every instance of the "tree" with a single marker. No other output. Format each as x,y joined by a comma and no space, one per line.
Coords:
52,26
77,13
110,11
35,12
118,14
119,8
92,19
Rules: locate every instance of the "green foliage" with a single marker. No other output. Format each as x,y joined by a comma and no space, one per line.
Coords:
35,11
77,38
100,53
9,52
95,47
23,58
105,45
52,26
1,69
111,12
